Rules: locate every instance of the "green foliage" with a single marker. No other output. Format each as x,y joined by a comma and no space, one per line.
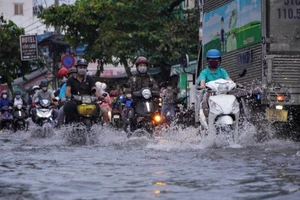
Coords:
10,58
126,29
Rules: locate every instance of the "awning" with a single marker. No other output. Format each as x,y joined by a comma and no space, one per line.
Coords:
177,69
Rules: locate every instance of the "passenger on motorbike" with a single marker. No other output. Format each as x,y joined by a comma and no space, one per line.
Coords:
105,105
78,85
65,75
211,73
43,94
168,96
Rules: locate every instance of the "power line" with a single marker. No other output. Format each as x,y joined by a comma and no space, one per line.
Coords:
34,28
32,23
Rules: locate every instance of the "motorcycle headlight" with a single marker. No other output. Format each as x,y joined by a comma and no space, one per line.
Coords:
86,99
45,102
48,115
19,106
214,107
223,88
146,93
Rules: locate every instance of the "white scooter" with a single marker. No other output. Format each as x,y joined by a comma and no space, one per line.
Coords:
224,109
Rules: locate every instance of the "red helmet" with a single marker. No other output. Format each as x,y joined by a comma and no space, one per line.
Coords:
62,72
114,93
140,60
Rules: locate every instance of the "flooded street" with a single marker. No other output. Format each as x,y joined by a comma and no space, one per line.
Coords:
173,165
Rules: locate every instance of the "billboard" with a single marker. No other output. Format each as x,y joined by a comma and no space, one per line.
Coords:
29,47
232,26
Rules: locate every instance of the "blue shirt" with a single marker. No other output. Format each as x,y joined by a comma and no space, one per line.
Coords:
62,91
207,75
126,101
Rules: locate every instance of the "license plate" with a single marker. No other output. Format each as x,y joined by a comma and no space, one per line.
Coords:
277,115
116,116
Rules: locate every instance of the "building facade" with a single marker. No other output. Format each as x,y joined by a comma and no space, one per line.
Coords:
24,14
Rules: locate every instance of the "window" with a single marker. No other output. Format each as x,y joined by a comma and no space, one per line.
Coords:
18,9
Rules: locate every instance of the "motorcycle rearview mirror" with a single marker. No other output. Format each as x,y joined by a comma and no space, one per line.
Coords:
125,85
244,72
184,60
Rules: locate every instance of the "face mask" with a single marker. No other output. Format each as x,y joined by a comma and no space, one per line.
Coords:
36,91
44,88
169,87
64,79
18,97
142,69
4,96
213,64
82,72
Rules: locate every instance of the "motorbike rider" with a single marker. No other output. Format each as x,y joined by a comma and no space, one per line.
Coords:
212,72
65,74
4,101
18,99
135,83
43,94
78,85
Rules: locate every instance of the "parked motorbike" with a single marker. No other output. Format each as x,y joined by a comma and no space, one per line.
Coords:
7,118
224,109
20,117
146,112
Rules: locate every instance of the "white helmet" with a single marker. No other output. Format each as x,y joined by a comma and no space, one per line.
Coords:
98,84
36,87
104,86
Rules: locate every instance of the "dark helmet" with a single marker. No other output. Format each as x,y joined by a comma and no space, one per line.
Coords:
72,70
140,60
3,92
17,92
81,62
44,83
62,72
213,53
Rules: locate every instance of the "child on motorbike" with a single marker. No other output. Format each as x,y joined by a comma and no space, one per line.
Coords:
127,109
168,96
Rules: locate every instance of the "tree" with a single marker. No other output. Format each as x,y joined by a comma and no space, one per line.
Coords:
10,58
126,29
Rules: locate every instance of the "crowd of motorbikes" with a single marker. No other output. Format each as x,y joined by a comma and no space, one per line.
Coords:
226,105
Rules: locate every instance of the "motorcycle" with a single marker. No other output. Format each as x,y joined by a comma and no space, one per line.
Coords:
85,118
7,118
44,113
224,109
146,111
116,118
20,117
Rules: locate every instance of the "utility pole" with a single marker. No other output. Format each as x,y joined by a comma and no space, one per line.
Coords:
56,52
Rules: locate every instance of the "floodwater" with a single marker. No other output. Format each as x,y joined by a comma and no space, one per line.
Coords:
172,165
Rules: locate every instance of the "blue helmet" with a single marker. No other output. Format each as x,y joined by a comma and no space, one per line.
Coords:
213,53
81,62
